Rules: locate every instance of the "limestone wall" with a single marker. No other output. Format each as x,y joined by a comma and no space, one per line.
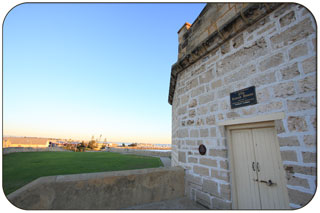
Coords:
30,149
277,55
106,190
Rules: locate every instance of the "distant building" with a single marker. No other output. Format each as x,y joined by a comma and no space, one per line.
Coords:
25,142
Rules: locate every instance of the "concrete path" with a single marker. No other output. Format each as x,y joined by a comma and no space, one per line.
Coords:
182,203
166,161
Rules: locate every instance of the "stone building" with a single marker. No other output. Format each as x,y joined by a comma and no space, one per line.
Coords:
244,88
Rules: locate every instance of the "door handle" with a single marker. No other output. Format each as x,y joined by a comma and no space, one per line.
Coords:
253,167
269,182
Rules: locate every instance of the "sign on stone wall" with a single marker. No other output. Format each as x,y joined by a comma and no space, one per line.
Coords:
243,97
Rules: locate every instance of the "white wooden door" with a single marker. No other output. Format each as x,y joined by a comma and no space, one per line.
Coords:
258,174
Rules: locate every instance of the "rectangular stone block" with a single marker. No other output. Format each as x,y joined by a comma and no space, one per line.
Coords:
297,51
216,84
208,162
200,170
206,77
225,191
182,157
204,133
287,19
203,99
210,120
220,204
298,197
289,155
295,181
270,106
182,133
306,170
194,133
309,65
288,141
307,84
309,157
197,91
218,153
192,160
224,164
203,198
272,61
309,140
284,90
241,74
210,186
300,104
290,72
213,132
263,79
222,175
297,124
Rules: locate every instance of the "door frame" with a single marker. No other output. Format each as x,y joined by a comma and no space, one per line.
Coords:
253,125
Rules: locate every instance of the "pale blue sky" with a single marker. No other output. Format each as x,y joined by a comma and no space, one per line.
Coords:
77,70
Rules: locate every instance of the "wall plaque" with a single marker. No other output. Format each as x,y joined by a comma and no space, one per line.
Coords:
202,149
243,97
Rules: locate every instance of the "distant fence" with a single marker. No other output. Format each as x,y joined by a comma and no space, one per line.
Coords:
105,190
142,152
31,149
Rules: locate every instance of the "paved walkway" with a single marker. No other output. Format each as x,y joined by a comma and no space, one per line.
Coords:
182,203
166,161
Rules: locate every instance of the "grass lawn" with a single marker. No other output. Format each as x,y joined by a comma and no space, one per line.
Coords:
22,168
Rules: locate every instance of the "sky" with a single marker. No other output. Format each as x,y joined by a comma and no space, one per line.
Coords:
80,70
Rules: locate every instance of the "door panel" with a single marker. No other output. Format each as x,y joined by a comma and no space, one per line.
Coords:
243,156
251,187
272,196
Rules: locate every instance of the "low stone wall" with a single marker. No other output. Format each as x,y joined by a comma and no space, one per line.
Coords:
141,152
105,190
30,149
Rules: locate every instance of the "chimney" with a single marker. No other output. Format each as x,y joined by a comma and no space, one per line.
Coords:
183,39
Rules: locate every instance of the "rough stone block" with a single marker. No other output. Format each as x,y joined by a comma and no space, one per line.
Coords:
203,99
202,110
233,115
297,51
272,61
289,155
295,181
298,197
184,99
192,113
225,191
203,198
220,204
210,186
182,133
192,160
194,133
309,140
224,164
290,72
309,65
193,103
197,91
210,120
208,162
301,170
240,75
190,122
222,175
287,19
200,170
191,143
182,110
204,133
307,84
293,34
270,106
309,157
213,132
297,124
284,89
206,77
249,111
300,104
263,79
182,157
216,84
218,153
288,141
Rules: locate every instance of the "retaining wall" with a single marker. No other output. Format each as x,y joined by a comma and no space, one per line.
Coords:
30,149
106,190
